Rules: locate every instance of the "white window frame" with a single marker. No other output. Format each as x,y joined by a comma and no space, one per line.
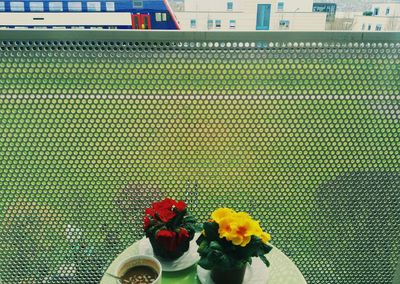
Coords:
2,6
378,27
73,6
93,6
387,11
232,24
280,8
227,6
216,24
15,6
56,6
164,17
110,6
158,17
36,6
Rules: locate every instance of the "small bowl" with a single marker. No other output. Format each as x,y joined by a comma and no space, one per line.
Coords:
140,260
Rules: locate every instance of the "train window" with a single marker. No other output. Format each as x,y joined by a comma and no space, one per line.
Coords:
36,6
110,6
75,6
2,7
93,6
17,6
56,6
161,17
138,3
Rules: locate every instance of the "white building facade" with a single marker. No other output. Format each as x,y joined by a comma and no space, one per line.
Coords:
384,16
250,15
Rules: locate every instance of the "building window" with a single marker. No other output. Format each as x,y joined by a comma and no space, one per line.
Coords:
138,3
75,6
369,27
55,6
218,24
110,6
17,6
387,11
376,11
158,17
93,6
363,27
229,6
378,28
193,23
164,17
281,5
232,24
2,7
36,6
210,24
283,24
263,17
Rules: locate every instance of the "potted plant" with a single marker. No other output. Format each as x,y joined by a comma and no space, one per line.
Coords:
228,242
169,227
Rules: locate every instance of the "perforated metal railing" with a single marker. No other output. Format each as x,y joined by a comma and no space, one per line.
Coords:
299,129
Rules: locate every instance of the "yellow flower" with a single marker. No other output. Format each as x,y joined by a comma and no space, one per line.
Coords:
220,213
226,225
243,215
265,237
238,227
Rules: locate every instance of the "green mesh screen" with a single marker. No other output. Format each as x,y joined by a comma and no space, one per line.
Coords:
301,130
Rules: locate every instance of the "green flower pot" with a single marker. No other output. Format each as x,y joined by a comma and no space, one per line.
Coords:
231,276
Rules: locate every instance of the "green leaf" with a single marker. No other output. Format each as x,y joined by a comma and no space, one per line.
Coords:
265,260
225,262
203,248
267,248
206,263
211,230
200,239
216,246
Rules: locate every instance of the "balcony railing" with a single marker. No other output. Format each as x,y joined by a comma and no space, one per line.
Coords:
300,129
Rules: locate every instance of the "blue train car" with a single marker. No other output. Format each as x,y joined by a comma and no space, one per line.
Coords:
88,14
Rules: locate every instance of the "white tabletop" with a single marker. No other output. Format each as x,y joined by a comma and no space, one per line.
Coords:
281,271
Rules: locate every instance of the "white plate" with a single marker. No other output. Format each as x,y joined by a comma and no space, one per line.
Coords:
256,273
188,259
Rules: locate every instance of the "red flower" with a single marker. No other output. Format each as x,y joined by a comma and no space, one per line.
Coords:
150,211
166,215
183,235
146,222
167,203
180,205
163,212
167,239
